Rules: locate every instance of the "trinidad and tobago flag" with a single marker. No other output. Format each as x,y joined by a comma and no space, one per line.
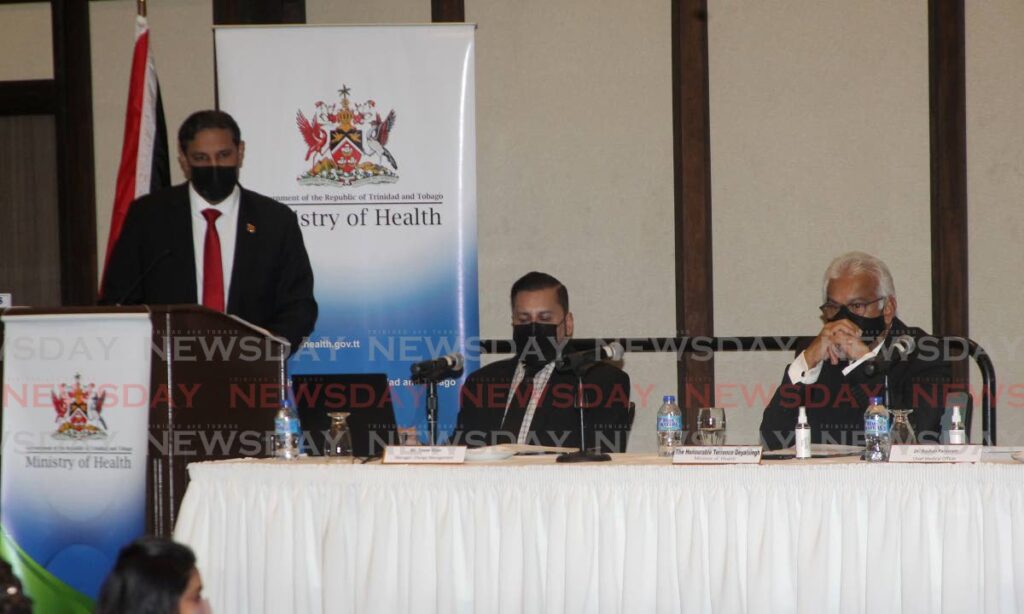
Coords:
144,165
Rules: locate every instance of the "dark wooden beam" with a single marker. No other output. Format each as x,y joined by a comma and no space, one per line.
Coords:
27,97
251,12
447,11
947,104
692,172
76,171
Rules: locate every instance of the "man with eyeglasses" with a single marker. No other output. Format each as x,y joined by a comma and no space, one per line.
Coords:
849,360
524,399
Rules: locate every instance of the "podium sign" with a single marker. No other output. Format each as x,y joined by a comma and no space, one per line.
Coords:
76,395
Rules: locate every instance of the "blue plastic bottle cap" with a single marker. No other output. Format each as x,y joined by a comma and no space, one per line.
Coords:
876,400
668,398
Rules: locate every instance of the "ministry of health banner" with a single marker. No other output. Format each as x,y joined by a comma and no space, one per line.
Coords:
368,134
75,427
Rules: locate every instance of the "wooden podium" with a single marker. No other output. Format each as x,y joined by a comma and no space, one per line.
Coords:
215,385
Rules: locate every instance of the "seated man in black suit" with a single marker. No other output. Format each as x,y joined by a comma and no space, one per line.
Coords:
525,399
846,364
210,241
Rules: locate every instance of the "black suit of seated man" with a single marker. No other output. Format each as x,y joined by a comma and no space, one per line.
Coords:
838,372
525,400
269,279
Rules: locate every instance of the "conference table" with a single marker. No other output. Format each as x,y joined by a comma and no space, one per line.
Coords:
637,534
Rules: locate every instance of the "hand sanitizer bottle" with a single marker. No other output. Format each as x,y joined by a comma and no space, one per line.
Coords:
803,435
957,433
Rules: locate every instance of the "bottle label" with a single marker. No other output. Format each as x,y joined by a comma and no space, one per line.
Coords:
670,423
876,426
803,443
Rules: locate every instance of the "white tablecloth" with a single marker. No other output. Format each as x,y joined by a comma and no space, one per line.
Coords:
634,535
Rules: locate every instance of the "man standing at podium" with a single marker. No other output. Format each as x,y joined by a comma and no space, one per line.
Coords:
525,399
854,358
212,242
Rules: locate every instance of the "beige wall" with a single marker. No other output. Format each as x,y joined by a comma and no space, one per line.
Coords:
995,190
575,170
182,45
26,47
819,145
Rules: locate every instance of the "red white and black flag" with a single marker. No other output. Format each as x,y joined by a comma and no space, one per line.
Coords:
144,165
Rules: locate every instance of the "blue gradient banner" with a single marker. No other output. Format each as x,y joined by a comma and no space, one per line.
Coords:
75,428
368,134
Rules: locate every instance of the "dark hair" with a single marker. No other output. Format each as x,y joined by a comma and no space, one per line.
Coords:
150,576
205,120
12,597
535,280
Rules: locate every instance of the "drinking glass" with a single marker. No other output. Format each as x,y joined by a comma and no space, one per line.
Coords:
711,426
339,438
901,431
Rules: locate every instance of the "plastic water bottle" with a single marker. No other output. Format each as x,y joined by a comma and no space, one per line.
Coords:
876,432
287,431
670,426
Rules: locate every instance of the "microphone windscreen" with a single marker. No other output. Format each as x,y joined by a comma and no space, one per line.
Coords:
617,350
904,344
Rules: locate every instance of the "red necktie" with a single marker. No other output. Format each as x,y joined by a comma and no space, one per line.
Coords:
213,269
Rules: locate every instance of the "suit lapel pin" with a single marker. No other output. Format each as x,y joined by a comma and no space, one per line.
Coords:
250,228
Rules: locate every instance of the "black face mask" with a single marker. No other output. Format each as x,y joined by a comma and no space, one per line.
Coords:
870,328
536,342
214,183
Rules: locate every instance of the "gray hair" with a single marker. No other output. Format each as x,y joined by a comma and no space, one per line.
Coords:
855,263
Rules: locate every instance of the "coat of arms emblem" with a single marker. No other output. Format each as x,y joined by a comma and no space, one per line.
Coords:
347,143
79,411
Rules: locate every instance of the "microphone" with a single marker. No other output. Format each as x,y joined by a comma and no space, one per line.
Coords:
904,345
900,349
143,276
578,360
437,366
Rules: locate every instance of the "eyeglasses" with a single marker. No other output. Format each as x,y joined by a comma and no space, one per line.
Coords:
859,308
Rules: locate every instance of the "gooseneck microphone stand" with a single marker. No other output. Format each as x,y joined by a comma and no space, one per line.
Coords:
431,378
432,411
583,455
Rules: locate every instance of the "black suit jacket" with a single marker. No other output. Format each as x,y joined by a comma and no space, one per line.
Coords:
556,420
271,279
836,402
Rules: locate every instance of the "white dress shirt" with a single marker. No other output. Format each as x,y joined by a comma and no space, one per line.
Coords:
540,382
800,373
227,228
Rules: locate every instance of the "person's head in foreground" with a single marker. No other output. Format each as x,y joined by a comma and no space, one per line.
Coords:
153,576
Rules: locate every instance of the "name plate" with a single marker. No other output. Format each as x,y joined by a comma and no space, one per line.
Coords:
424,455
6,300
935,454
717,455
